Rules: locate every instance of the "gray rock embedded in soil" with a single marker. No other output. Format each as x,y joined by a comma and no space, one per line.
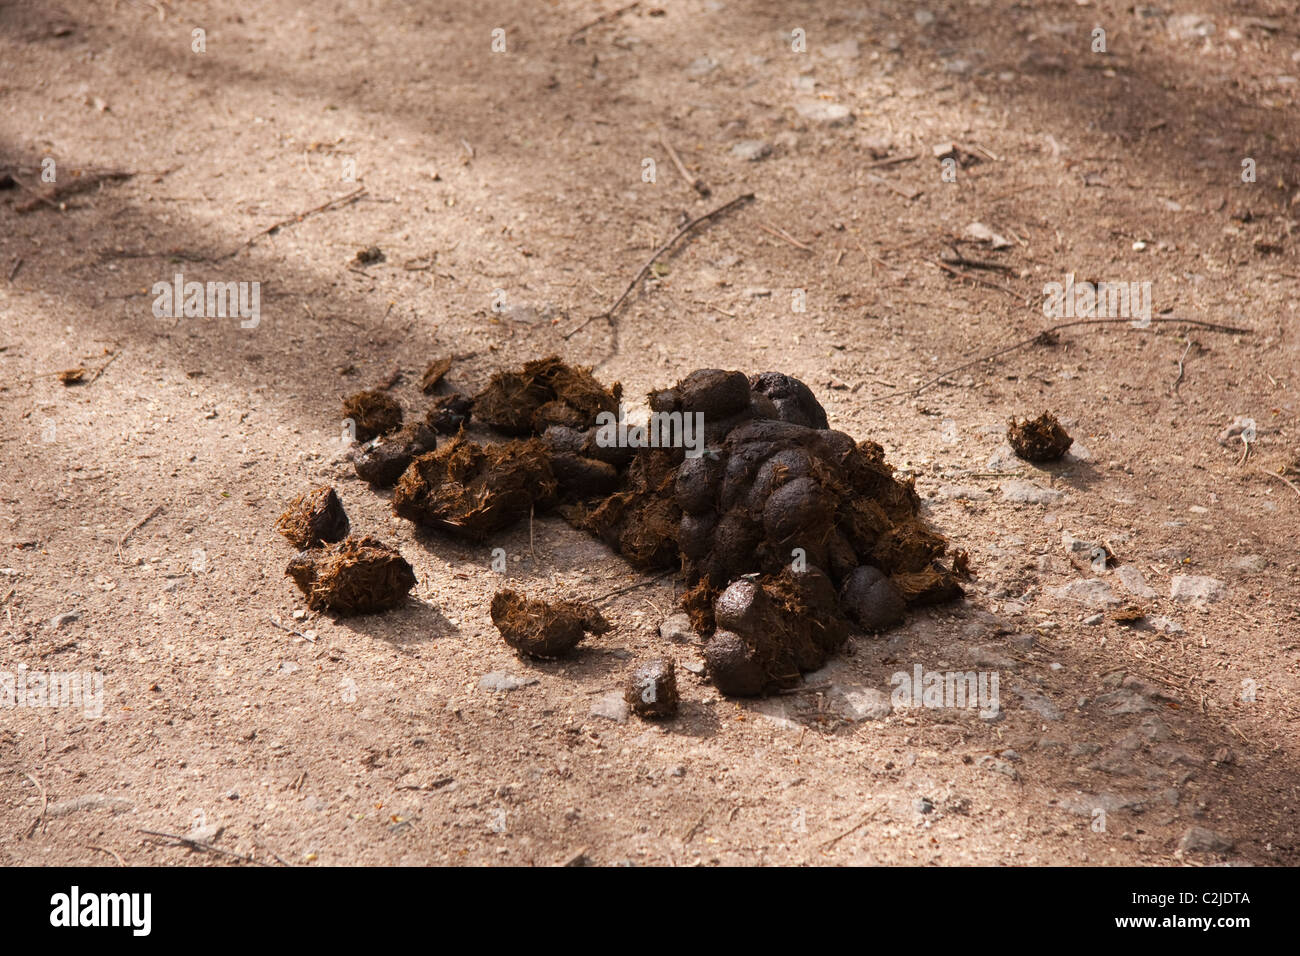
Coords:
501,681
678,628
1201,840
1025,493
1039,705
1195,589
1134,583
751,150
860,703
610,706
1092,592
824,113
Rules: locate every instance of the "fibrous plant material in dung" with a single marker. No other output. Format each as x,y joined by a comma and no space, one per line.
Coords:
544,629
1040,439
360,575
651,691
475,490
373,413
381,462
313,519
544,392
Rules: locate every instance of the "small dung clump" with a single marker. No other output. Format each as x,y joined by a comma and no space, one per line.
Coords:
373,413
313,519
475,490
360,575
1042,439
544,629
449,413
652,690
770,628
544,392
382,462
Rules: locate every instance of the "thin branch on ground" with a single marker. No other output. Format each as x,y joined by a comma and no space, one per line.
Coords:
785,236
137,526
601,19
1282,478
632,587
695,182
203,846
111,852
45,804
974,278
609,313
1182,366
338,203
892,161
1046,336
53,196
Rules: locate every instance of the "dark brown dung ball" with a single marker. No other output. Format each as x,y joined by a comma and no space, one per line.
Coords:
697,483
382,463
652,689
314,518
733,666
743,607
798,506
580,477
544,629
872,600
373,413
716,393
793,400
449,413
1042,439
360,575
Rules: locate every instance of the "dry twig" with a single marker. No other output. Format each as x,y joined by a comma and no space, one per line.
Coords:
693,181
1282,478
203,846
601,19
338,203
609,313
1047,335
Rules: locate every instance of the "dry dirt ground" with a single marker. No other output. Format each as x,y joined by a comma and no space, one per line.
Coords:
1169,739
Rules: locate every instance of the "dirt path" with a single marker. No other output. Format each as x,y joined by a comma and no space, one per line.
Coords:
519,178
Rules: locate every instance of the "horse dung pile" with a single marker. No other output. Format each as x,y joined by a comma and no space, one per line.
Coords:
787,533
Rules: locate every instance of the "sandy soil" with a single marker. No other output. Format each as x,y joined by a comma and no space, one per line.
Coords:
522,171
